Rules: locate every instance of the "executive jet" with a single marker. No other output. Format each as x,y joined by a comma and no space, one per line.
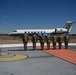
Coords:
65,29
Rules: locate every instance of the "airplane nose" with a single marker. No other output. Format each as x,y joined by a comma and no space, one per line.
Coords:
10,34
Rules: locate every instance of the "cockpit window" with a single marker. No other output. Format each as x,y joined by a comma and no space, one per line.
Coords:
15,31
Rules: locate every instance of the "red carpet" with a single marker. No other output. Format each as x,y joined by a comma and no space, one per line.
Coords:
65,54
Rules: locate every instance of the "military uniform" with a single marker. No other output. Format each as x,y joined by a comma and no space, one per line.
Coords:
66,40
54,41
48,40
60,40
25,40
34,40
42,40
38,39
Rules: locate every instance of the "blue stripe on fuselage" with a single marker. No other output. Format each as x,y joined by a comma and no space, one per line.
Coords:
38,34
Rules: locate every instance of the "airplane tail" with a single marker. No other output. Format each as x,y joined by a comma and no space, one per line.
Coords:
68,25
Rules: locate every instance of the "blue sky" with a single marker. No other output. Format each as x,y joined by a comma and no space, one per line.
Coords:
29,14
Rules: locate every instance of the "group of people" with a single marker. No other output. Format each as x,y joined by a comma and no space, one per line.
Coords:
48,39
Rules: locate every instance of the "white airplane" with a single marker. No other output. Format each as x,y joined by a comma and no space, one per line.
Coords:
65,29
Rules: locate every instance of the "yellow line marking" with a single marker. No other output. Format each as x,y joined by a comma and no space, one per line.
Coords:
16,57
2,53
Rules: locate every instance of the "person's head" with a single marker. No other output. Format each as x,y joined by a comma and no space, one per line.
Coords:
34,32
42,34
55,30
25,31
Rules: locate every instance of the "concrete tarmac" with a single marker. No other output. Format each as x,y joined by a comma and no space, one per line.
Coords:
37,63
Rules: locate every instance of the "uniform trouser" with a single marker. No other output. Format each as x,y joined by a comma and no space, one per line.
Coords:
54,45
60,45
34,45
66,45
42,45
25,45
48,45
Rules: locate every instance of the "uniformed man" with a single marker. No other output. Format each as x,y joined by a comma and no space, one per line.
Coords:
42,40
60,40
48,40
34,40
25,40
66,40
54,41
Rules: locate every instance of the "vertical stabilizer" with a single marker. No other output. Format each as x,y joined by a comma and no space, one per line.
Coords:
68,25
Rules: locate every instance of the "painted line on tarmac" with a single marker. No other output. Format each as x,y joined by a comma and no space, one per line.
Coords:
29,44
2,53
14,58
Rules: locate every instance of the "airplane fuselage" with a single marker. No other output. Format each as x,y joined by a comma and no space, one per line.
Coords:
65,29
38,31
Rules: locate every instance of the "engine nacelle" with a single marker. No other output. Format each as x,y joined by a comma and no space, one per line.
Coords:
60,30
